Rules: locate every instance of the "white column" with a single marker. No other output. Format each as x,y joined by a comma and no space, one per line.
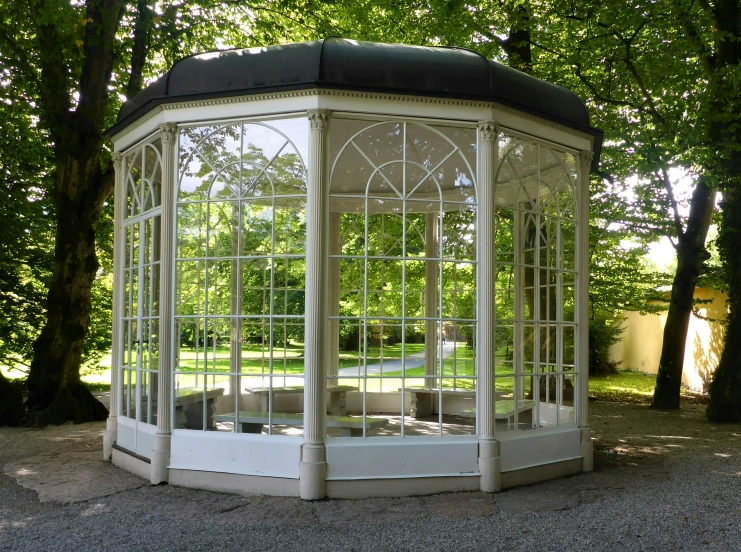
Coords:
313,468
335,248
489,464
235,306
161,444
582,312
119,201
431,286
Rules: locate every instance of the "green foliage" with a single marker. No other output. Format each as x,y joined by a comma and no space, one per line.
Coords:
643,66
27,212
603,334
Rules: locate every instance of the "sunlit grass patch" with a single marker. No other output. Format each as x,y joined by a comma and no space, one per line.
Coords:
625,386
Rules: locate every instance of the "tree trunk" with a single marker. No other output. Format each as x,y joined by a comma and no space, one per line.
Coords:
56,394
81,187
725,387
691,255
517,44
11,403
724,86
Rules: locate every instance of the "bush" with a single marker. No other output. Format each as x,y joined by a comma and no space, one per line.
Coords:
603,334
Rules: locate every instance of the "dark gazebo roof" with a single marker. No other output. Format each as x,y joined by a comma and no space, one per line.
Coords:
343,64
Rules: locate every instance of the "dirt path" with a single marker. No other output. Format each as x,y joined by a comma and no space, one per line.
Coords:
661,480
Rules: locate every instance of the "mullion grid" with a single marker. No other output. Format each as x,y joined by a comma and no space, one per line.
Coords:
140,249
155,313
129,320
140,299
270,322
404,259
554,272
440,294
140,243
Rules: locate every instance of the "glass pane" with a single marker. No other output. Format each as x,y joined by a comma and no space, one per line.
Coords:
220,146
290,226
256,277
568,346
190,285
256,358
257,228
287,173
220,298
288,286
459,234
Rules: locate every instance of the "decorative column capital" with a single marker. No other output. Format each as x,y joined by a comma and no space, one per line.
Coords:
489,130
586,157
167,133
116,158
318,119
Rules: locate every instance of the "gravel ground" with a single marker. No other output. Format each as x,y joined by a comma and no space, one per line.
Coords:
663,481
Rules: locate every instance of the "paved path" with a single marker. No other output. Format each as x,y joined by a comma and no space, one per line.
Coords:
395,365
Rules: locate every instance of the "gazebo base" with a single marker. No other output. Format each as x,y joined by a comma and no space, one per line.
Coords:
356,489
234,483
536,474
411,468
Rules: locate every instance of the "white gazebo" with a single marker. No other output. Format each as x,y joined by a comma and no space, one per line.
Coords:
348,269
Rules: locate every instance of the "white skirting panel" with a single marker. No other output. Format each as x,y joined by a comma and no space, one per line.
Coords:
240,453
131,464
412,486
137,438
527,449
235,484
408,457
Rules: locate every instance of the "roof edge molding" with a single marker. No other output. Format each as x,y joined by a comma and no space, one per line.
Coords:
345,64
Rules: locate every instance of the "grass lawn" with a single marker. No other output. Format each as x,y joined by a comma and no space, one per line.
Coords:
289,360
625,386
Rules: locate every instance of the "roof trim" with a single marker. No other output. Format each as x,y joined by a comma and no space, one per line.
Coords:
349,65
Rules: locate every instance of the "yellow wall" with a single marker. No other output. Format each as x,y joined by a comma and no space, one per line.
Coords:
640,347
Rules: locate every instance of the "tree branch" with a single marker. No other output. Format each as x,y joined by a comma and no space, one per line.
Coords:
55,86
596,95
707,6
142,35
501,42
707,59
104,188
672,200
639,80
103,18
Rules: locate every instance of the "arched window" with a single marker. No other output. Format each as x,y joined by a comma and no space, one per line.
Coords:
403,210
139,359
241,264
535,235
